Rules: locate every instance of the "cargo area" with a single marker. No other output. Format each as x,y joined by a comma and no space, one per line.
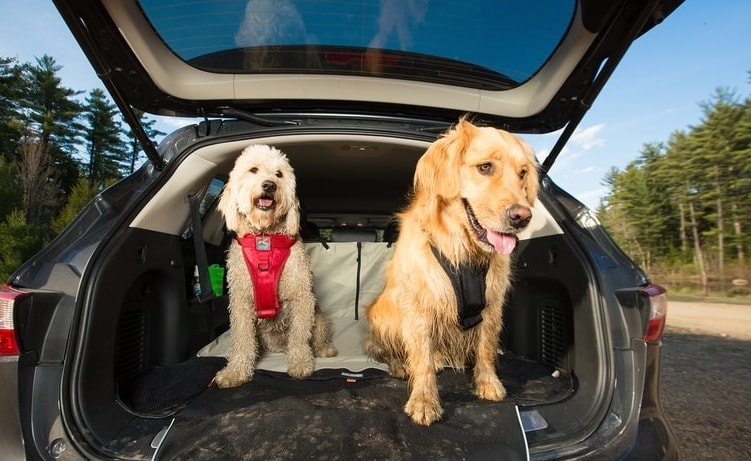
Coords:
159,377
149,350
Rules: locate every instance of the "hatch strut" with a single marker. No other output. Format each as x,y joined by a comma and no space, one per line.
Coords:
596,86
104,72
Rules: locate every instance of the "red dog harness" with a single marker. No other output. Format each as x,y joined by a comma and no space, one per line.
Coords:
265,256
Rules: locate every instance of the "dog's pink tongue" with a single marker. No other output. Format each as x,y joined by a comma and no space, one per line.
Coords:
503,243
265,202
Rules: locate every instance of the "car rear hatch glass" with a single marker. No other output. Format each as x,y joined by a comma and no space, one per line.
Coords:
484,44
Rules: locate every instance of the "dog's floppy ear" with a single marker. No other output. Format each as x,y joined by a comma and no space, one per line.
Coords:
437,171
292,221
228,208
532,179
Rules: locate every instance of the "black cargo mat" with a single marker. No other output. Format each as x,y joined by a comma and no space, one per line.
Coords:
335,415
165,388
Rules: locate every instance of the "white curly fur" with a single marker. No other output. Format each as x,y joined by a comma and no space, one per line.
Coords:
299,329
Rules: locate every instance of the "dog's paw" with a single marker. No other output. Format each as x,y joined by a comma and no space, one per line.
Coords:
490,389
423,412
397,370
301,368
229,377
326,351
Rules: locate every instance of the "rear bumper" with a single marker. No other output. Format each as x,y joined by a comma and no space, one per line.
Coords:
11,438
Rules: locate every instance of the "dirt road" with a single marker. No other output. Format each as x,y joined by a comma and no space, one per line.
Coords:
729,320
706,379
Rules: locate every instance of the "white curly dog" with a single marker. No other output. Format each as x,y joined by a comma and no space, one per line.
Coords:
271,302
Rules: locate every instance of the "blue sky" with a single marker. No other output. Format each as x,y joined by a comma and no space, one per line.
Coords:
656,90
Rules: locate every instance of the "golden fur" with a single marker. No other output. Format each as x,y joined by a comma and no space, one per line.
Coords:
413,323
299,329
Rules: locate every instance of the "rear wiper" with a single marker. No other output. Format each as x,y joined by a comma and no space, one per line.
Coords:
251,117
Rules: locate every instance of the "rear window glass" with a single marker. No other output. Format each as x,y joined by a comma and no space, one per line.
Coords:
489,44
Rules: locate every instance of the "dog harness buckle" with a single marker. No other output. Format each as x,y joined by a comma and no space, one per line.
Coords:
265,256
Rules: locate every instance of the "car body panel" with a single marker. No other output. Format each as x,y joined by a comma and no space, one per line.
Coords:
11,439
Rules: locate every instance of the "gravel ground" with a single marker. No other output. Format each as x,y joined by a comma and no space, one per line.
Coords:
706,379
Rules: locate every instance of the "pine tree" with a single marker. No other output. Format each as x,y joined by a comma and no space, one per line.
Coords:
10,196
51,129
83,192
53,111
686,185
637,206
105,149
716,152
19,241
741,190
11,118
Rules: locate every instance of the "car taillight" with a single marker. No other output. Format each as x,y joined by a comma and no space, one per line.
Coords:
8,340
658,309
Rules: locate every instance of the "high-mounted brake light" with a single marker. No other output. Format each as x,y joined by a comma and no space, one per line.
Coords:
658,310
9,345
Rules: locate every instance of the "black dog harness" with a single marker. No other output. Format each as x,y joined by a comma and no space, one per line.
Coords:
468,281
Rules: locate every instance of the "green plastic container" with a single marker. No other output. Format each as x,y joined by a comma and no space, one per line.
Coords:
216,276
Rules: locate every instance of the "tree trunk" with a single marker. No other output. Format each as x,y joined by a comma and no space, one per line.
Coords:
740,253
697,250
720,232
35,171
684,240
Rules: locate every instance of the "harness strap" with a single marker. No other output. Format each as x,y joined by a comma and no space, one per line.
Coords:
205,292
468,281
265,256
357,286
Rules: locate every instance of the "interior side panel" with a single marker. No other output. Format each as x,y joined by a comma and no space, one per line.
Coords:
539,318
551,319
137,319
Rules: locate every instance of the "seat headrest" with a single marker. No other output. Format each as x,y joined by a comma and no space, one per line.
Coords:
353,235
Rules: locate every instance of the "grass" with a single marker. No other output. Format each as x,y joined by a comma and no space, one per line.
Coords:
742,300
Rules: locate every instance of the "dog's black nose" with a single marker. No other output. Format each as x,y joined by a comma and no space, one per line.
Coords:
268,186
518,216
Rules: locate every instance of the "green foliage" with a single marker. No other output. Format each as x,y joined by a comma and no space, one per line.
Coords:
687,202
106,151
56,153
83,192
18,240
10,196
49,139
10,107
53,111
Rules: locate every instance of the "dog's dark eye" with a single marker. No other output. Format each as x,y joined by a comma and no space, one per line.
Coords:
522,174
279,174
485,168
254,170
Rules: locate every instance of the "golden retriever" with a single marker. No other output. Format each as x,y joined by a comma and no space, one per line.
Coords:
473,191
260,206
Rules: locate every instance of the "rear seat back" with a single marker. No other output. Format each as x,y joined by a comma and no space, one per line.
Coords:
347,276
